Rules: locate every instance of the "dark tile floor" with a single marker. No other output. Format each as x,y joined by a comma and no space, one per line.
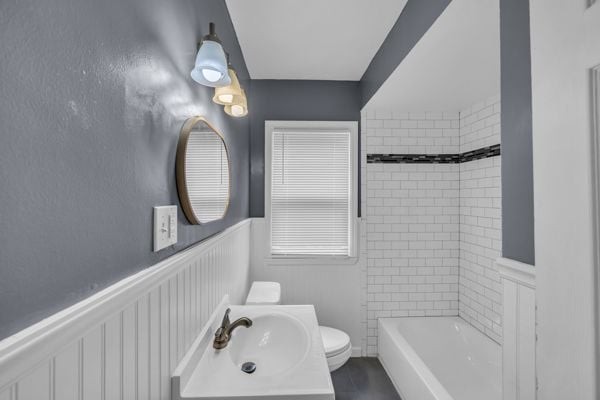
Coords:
363,379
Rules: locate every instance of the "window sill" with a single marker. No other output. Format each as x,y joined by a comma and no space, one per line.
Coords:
300,261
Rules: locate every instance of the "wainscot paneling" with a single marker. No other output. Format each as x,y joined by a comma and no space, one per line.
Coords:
518,349
124,342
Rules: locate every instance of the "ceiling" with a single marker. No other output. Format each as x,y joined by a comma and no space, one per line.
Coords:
456,63
311,39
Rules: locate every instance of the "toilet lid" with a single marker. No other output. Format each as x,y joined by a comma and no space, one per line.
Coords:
334,341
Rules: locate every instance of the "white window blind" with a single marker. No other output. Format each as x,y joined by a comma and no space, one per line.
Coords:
311,192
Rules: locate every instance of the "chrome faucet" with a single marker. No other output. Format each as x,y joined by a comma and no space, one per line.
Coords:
223,334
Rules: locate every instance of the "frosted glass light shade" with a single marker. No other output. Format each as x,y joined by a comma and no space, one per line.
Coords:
239,108
225,95
210,68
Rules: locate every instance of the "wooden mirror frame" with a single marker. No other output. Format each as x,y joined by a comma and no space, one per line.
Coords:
180,158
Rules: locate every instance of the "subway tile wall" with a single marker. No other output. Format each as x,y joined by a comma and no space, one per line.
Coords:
412,213
414,133
432,230
480,289
480,125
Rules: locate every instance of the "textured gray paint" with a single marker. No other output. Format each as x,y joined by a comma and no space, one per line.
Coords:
94,94
517,159
416,18
293,100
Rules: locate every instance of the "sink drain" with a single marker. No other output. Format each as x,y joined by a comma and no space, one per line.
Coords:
248,367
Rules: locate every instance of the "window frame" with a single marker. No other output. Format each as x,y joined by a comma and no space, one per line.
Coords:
352,127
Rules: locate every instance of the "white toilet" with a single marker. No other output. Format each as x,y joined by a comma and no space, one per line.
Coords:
336,343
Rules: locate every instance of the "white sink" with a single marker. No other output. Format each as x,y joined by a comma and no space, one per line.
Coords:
276,342
285,344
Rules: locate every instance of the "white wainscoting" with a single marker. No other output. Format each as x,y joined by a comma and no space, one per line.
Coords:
125,341
518,347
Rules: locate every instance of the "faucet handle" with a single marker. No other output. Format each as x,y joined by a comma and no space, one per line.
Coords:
224,325
225,321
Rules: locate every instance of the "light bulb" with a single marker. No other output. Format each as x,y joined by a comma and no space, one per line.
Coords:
211,75
237,110
239,105
226,98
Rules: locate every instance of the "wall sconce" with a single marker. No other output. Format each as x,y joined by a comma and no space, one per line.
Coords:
210,68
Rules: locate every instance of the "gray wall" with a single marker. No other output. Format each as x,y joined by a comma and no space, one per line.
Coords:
517,162
94,94
416,18
293,100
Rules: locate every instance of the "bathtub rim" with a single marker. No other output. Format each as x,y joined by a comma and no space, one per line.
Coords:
426,376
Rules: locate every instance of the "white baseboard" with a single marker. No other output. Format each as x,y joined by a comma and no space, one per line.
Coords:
356,351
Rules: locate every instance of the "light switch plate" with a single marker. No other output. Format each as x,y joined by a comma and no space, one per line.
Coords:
165,227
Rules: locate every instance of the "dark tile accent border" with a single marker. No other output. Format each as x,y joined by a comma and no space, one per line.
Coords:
484,152
413,158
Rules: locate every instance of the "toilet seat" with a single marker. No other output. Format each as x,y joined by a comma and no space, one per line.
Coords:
334,341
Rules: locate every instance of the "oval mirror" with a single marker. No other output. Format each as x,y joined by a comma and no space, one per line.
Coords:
202,172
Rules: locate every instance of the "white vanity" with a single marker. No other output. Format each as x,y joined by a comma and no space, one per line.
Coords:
282,348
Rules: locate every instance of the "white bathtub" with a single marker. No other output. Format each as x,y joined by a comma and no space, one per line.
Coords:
439,358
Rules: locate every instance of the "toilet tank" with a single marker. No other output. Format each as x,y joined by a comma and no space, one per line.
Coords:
264,293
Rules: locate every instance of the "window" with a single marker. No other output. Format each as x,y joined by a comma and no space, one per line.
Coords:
311,188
